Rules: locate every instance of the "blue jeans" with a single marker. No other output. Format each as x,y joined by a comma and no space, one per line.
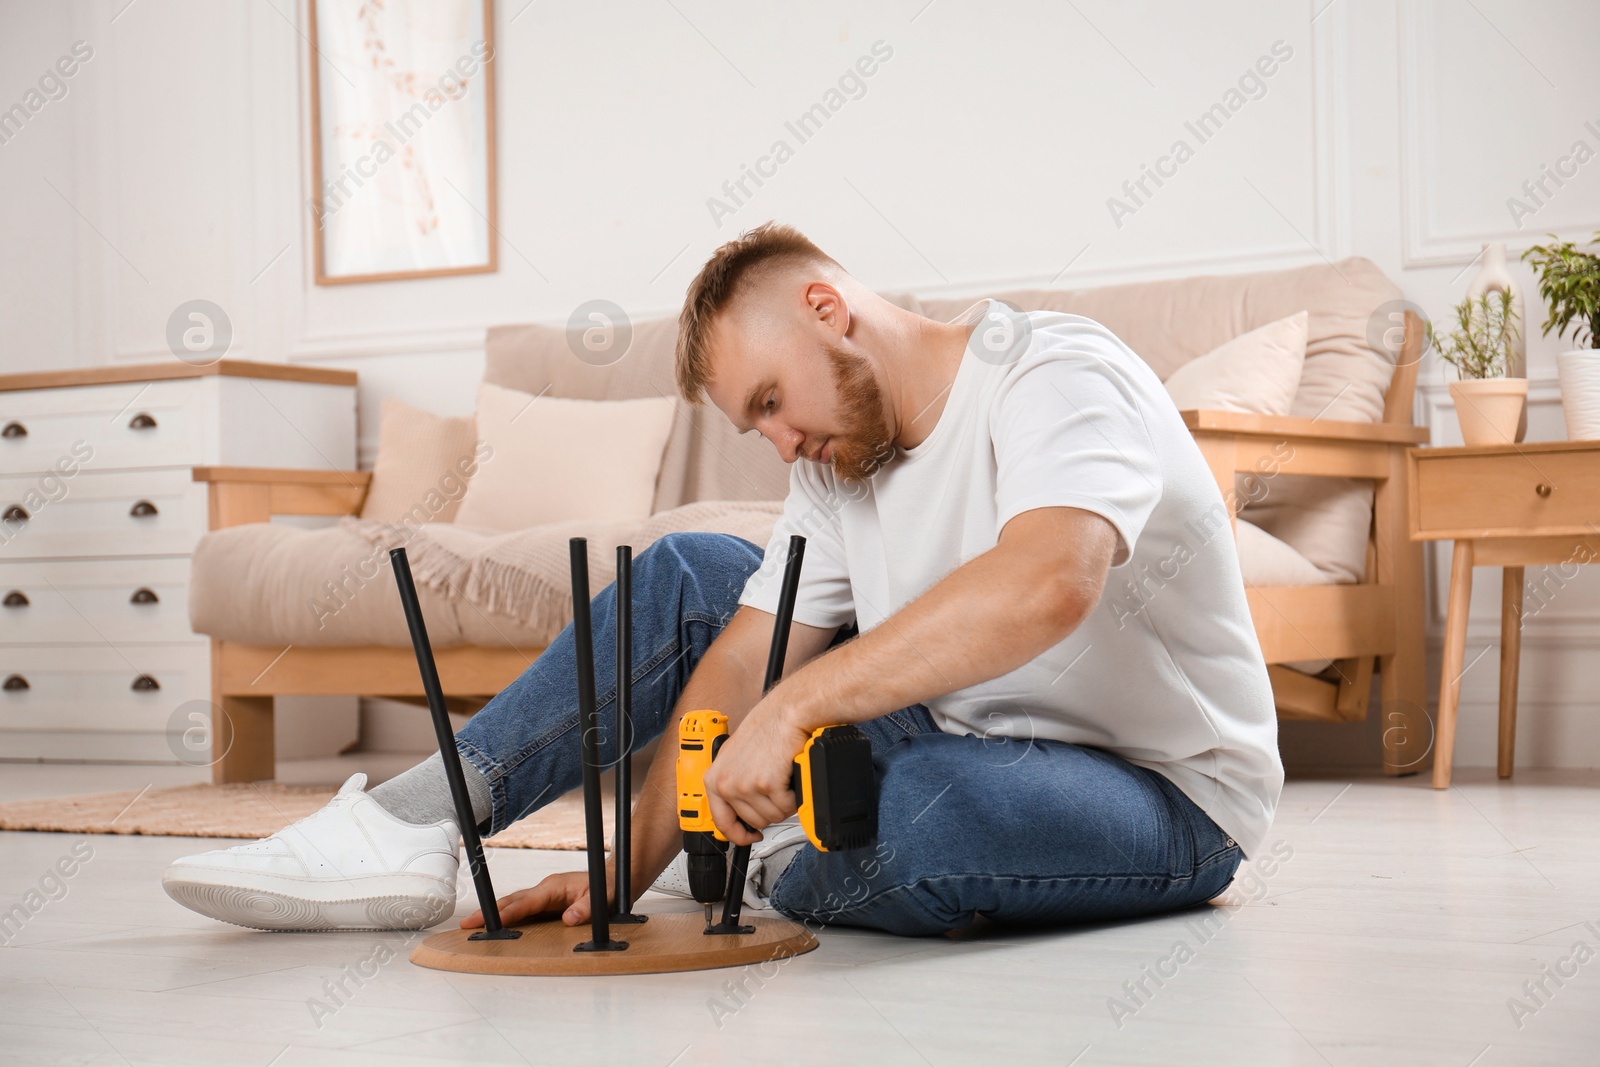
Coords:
1019,831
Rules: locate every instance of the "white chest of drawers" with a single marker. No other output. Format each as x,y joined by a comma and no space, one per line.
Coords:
98,517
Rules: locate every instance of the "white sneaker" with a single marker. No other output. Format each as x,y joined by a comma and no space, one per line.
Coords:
349,866
769,857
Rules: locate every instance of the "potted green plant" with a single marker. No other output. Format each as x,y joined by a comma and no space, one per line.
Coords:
1569,282
1488,404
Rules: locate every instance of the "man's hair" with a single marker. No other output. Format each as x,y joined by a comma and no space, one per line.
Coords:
750,254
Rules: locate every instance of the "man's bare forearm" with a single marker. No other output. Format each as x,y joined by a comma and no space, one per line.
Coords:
987,618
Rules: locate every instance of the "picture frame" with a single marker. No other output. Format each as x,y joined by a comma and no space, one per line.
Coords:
403,166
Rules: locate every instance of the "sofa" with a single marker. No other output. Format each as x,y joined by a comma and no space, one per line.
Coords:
1334,584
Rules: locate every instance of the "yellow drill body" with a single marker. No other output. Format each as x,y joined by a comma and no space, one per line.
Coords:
699,734
831,779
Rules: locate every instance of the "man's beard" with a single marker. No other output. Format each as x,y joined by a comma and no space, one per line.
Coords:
864,444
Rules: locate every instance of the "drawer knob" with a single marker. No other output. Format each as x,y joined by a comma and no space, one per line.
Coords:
1543,489
142,421
144,683
143,510
14,429
16,682
144,595
16,513
16,599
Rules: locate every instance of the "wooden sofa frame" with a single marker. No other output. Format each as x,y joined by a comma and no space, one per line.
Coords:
1376,624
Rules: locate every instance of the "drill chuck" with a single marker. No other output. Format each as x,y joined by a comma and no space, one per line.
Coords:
708,866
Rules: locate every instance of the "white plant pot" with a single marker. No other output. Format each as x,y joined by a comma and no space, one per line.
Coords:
1489,409
1580,392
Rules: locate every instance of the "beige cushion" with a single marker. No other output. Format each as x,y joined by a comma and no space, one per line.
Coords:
273,584
1326,519
1257,371
1268,562
705,458
424,461
550,459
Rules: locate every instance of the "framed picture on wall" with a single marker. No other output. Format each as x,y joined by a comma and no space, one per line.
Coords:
402,139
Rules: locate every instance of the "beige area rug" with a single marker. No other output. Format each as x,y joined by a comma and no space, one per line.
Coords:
253,810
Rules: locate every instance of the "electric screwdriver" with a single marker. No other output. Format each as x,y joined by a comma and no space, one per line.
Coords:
831,778
700,734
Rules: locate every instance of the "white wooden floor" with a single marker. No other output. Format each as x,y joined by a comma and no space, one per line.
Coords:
1401,929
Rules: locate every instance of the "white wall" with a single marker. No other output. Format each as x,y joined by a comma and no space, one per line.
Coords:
982,153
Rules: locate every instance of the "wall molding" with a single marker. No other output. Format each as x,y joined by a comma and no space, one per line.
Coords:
1421,247
457,339
1331,208
1543,387
1330,95
1569,633
1246,262
367,344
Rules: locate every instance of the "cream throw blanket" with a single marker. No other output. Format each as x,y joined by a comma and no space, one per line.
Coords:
526,574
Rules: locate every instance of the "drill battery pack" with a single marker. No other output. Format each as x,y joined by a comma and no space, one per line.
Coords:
838,795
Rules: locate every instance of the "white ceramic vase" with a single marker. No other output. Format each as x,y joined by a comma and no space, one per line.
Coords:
1580,392
1489,409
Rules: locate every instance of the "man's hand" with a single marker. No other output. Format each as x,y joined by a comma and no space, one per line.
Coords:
749,779
566,893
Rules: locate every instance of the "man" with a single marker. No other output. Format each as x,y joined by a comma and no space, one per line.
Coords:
1049,749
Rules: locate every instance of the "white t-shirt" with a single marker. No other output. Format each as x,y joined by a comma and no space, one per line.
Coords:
1166,671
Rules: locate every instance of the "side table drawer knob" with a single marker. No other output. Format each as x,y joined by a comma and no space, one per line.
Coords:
1543,489
16,682
143,509
142,421
143,683
16,513
16,599
14,429
144,596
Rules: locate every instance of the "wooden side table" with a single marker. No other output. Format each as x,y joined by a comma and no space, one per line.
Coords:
1507,506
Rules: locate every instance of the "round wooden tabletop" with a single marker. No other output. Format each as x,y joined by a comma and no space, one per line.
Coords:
668,942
